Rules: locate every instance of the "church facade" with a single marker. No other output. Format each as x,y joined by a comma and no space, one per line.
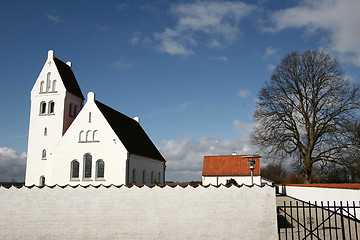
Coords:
75,143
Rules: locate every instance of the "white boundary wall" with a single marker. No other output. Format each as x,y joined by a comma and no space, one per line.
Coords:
324,194
318,194
138,213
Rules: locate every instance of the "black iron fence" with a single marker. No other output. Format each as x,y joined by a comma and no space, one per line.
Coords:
301,220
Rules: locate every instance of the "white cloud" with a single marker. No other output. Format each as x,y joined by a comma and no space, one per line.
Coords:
55,18
244,129
102,27
172,43
269,52
222,58
135,39
214,43
138,38
243,93
339,18
185,156
216,20
12,165
271,67
123,65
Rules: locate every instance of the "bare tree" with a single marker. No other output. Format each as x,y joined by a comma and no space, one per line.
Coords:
304,109
274,171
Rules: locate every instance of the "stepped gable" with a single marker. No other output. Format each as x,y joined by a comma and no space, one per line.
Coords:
68,78
131,134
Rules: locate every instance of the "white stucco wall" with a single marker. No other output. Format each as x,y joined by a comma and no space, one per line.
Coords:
38,141
217,180
105,146
138,213
318,194
140,164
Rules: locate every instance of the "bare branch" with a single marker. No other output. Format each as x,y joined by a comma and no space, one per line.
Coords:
304,109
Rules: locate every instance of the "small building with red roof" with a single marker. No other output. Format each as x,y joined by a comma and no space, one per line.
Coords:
220,169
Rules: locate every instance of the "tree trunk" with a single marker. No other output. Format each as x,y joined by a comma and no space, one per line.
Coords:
307,171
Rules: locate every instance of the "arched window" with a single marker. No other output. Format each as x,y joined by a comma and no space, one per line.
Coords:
71,110
43,108
87,165
143,177
152,176
48,83
42,181
41,86
81,136
74,169
51,107
54,86
134,176
43,155
100,167
94,139
88,136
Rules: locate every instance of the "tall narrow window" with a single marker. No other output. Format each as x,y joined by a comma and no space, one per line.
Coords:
94,139
41,86
42,181
48,83
74,172
134,176
71,110
54,86
43,108
43,155
87,165
88,136
143,177
51,107
100,167
81,136
152,176
89,117
45,131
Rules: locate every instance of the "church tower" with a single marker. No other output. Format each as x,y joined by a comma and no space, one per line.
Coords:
56,99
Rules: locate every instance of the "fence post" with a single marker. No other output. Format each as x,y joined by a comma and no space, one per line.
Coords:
342,221
278,216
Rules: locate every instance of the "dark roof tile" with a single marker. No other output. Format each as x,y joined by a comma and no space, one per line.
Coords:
68,78
131,134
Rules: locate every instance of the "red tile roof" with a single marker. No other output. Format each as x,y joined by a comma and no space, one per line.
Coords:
229,165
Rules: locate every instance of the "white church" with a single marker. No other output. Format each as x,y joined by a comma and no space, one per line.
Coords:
88,144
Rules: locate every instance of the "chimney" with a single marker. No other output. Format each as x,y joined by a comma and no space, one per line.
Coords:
137,119
69,64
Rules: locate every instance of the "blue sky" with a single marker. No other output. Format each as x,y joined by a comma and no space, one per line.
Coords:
191,70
